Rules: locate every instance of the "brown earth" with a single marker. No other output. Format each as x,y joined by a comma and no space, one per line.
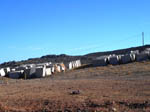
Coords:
121,88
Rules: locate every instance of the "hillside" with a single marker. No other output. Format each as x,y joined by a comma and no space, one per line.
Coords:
121,88
85,59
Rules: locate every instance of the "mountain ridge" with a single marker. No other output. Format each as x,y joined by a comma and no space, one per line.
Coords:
85,59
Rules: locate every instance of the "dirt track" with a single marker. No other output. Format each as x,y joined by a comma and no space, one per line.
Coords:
122,88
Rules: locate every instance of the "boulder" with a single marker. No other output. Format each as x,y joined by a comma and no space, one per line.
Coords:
125,59
100,62
40,72
70,65
16,74
113,60
2,72
133,57
141,57
48,71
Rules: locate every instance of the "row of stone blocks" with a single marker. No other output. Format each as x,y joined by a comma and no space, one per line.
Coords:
121,59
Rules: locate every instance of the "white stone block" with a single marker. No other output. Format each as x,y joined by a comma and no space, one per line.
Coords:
2,72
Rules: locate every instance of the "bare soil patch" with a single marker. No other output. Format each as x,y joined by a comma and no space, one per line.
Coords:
121,88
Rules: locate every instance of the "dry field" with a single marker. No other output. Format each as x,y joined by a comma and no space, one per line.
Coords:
121,88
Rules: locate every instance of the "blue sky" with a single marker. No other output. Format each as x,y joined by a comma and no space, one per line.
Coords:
32,28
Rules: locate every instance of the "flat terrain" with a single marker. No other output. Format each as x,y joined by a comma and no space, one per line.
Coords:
121,88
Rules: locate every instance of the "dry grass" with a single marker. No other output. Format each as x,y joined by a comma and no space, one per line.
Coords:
111,88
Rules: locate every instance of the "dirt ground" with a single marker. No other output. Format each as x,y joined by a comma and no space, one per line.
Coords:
121,88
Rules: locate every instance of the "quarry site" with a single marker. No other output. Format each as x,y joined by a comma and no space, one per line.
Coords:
74,56
116,81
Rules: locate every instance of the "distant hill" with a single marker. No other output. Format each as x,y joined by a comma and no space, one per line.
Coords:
117,52
85,59
48,58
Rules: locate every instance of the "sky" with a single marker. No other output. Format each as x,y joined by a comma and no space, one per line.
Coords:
33,28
